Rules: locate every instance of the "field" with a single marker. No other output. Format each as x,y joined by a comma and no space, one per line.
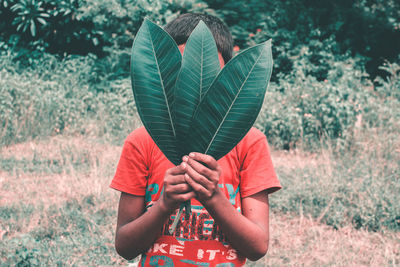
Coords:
331,115
57,209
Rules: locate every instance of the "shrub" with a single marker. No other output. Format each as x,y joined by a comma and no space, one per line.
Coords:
361,27
354,181
301,110
59,97
89,26
43,101
82,27
120,20
357,187
389,87
48,24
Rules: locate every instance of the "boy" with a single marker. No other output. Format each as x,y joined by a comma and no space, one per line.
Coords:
229,197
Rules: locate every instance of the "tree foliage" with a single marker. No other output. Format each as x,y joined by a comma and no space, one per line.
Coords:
321,50
368,29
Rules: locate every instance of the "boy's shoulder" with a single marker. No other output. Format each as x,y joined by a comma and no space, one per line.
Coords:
255,133
254,140
138,133
140,138
253,136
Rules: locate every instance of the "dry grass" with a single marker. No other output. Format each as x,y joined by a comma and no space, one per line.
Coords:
65,180
356,187
305,242
80,168
299,240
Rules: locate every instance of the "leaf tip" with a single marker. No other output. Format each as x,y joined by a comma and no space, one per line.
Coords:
202,23
146,21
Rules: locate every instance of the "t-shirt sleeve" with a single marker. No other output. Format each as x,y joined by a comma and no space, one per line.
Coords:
257,171
132,169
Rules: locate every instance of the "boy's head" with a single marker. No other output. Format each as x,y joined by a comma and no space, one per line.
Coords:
181,28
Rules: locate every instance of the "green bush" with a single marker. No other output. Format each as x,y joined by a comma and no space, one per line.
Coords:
83,26
302,110
357,187
389,87
62,97
88,95
50,25
120,20
44,101
367,28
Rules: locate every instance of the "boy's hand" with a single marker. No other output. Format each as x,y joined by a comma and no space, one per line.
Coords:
176,190
202,174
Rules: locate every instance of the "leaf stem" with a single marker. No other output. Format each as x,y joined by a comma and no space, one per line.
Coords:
188,211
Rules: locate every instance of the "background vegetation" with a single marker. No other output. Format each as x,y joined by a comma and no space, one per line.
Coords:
331,115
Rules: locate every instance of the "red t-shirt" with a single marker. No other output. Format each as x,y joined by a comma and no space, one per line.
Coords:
246,170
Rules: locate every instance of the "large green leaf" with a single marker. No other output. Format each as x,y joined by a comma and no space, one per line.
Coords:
231,105
155,63
200,66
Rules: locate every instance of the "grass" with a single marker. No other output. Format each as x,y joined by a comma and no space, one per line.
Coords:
57,209
302,241
75,232
64,216
357,188
59,126
62,96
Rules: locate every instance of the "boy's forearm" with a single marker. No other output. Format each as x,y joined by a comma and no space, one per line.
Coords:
249,238
137,236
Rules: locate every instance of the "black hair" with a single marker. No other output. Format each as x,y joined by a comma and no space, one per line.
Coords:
181,28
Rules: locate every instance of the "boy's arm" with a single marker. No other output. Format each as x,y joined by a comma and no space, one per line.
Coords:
247,232
137,230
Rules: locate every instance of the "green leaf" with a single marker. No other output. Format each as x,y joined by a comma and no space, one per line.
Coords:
33,28
200,66
45,15
155,63
42,21
231,105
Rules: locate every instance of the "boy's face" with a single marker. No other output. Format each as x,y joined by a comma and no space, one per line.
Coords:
221,59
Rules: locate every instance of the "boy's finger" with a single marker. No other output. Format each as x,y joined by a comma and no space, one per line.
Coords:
186,196
196,186
200,168
180,188
197,177
176,170
176,179
206,159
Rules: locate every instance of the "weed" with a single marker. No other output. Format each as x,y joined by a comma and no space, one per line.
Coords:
357,188
15,217
69,219
58,97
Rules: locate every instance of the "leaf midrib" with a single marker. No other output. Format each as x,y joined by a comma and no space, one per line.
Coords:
162,85
233,102
201,68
